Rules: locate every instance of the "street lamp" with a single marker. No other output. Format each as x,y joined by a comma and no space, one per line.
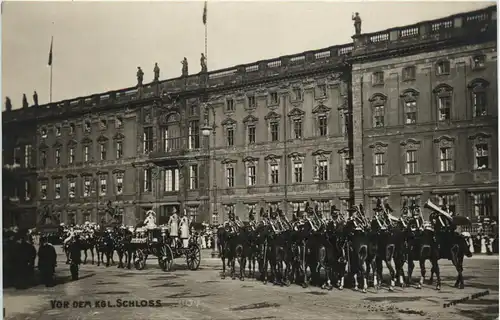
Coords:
206,130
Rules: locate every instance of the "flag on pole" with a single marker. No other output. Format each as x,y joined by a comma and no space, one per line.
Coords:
50,52
205,13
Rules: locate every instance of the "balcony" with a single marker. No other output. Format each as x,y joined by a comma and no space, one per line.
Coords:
170,149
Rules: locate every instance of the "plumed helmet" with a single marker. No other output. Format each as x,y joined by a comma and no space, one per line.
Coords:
334,211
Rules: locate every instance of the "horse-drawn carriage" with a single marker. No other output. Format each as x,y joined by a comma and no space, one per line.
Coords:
157,242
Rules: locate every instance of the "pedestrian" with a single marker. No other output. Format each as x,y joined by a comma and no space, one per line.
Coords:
75,253
47,262
29,257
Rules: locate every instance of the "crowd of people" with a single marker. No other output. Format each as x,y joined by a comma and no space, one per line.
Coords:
20,256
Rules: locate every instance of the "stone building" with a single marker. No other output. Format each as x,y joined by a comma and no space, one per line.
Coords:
429,113
277,132
19,182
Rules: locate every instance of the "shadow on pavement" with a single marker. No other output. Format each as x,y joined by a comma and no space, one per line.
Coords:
317,293
169,285
393,299
105,283
186,295
66,279
160,278
112,292
490,312
260,305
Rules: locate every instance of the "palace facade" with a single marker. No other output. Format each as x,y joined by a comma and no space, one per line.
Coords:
423,100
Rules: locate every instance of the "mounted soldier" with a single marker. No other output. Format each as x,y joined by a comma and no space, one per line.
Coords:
334,213
173,223
275,222
231,224
311,217
416,221
379,215
263,217
284,220
251,219
184,226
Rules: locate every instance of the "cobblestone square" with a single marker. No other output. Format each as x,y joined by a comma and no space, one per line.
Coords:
108,293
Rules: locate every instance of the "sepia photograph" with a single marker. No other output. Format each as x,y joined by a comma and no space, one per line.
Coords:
250,160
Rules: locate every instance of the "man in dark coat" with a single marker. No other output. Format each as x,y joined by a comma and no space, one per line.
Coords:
47,261
75,257
29,257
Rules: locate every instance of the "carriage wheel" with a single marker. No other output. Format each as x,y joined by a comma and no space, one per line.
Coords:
166,258
193,256
140,260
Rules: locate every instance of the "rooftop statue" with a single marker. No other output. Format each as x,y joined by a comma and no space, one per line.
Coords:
184,63
357,23
203,63
25,101
140,76
156,71
8,104
35,98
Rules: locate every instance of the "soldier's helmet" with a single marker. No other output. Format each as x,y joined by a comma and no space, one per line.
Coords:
334,212
251,215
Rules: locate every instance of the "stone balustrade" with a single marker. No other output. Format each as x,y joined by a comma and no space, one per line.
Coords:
466,25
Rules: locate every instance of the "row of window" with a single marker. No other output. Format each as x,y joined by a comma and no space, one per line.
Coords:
444,100
320,172
274,130
71,156
446,160
90,186
442,67
297,94
169,178
481,205
87,127
72,218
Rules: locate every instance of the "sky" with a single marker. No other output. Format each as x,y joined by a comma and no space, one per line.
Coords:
99,45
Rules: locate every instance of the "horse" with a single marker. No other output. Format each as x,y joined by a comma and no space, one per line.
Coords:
223,245
451,246
104,246
87,243
336,254
386,240
123,247
422,247
279,244
361,252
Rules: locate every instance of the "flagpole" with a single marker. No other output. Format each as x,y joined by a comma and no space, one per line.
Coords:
50,96
206,41
206,30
